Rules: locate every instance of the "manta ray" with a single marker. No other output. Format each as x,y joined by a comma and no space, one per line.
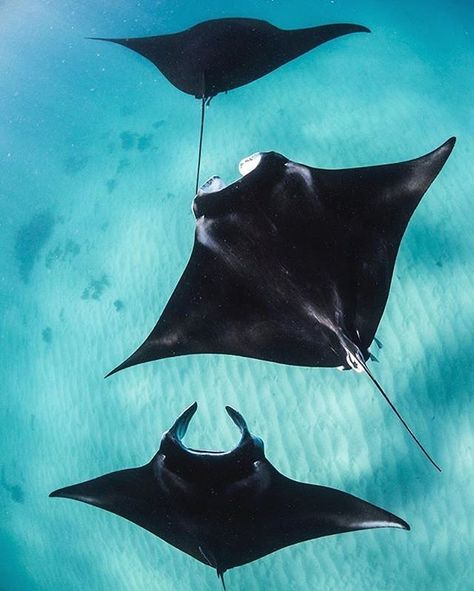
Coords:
292,264
225,509
222,54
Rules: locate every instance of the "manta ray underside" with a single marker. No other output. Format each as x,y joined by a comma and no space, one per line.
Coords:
219,55
292,264
225,509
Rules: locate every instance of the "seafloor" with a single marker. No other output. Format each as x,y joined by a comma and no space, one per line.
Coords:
97,155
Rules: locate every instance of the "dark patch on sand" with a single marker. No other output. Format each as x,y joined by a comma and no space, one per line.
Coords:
122,165
47,335
128,140
75,164
119,305
144,142
126,111
111,185
30,241
96,288
14,490
62,253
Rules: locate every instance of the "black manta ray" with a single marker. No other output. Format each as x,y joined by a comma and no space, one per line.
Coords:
225,509
292,264
222,54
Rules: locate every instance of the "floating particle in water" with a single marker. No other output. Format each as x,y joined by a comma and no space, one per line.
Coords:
30,241
47,335
96,288
159,123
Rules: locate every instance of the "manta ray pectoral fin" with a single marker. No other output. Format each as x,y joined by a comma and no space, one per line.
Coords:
356,360
90,492
323,33
146,352
113,492
355,514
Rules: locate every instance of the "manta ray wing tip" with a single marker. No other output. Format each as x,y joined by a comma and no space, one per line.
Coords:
449,144
57,493
405,525
115,370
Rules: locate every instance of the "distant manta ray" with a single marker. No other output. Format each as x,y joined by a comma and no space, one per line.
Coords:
225,508
293,264
222,54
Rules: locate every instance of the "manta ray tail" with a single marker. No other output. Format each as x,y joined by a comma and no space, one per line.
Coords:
220,575
209,558
201,135
356,359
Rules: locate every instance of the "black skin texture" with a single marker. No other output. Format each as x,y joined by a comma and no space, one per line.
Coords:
292,264
220,55
225,509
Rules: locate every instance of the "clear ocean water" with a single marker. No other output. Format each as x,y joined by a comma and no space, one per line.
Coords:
97,154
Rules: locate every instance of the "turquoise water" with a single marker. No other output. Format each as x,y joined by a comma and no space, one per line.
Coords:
97,154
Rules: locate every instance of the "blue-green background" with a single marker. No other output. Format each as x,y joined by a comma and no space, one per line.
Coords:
97,160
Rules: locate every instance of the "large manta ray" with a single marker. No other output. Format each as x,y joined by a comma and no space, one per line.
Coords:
292,264
225,509
222,54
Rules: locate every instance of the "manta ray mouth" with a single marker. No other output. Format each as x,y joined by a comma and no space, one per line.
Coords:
179,429
215,184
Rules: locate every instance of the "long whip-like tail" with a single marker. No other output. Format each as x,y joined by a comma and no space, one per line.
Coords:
392,406
201,135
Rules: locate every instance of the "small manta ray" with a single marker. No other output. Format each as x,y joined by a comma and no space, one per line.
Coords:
292,264
222,54
225,509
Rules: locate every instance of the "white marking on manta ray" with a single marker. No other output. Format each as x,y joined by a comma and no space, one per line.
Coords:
212,185
250,163
377,524
302,171
203,233
354,363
